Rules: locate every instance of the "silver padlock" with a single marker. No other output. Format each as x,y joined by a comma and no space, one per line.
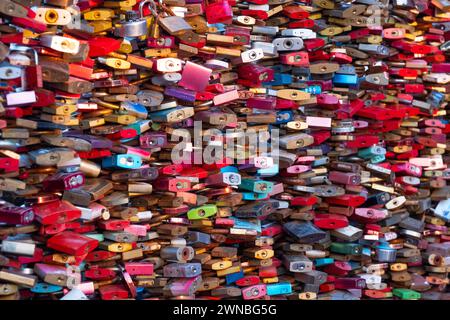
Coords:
8,72
166,79
268,48
288,44
18,247
133,26
75,294
24,75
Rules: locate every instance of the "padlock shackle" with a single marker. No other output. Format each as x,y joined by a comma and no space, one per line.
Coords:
151,6
14,46
166,8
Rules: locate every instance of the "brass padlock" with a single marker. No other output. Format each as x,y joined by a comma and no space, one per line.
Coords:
172,24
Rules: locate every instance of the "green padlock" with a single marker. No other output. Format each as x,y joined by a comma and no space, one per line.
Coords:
202,212
372,151
258,186
406,294
346,248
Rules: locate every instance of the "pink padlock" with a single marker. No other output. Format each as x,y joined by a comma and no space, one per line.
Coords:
136,229
254,292
195,77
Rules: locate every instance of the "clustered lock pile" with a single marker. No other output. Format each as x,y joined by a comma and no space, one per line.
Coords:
230,149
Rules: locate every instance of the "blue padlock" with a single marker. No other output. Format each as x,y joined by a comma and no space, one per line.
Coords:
284,116
315,89
253,196
219,26
278,288
247,224
279,79
345,79
233,277
320,162
323,261
125,161
140,126
134,108
45,288
268,172
139,293
229,169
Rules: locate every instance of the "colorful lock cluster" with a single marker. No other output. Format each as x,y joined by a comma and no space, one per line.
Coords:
229,149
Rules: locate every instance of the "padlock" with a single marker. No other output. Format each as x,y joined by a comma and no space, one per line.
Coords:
62,44
134,25
32,75
326,121
218,12
53,16
174,25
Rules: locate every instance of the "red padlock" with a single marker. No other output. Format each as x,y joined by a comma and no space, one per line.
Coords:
255,73
303,201
306,23
204,96
101,46
197,172
330,221
43,98
29,23
113,292
257,14
313,44
247,281
320,137
100,274
52,229
9,164
113,224
99,255
94,154
338,268
219,12
362,141
268,272
286,104
299,59
350,200
38,256
272,230
63,181
58,211
84,228
72,243
33,73
295,12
